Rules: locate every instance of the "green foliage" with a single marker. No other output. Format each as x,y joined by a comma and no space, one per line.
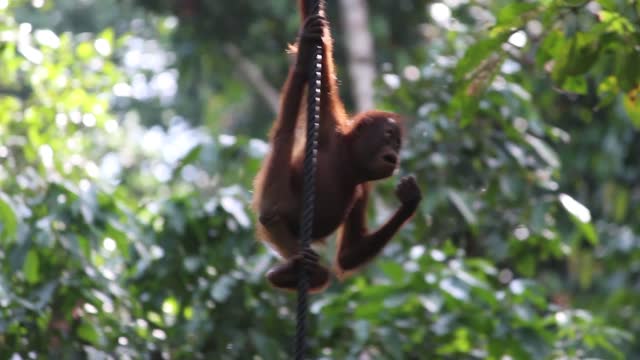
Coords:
127,233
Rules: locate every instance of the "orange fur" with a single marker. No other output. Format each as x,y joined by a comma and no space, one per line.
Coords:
351,153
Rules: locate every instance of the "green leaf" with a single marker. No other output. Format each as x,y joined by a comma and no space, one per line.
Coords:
621,199
119,236
170,306
266,345
616,23
575,58
588,230
462,205
456,288
31,267
544,150
395,300
394,271
628,73
573,2
552,43
512,15
526,265
88,332
575,84
576,209
83,245
361,329
581,216
476,54
608,90
189,158
370,310
8,219
376,292
44,294
236,208
587,264
222,288
632,107
85,51
108,35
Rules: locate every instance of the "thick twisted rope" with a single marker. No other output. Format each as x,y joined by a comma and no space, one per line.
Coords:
308,198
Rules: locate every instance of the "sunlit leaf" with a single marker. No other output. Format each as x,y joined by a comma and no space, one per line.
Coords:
120,237
544,150
234,207
87,332
85,51
8,219
575,208
616,22
588,230
455,288
31,266
170,306
632,106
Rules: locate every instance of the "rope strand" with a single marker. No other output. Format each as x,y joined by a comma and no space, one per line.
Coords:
308,199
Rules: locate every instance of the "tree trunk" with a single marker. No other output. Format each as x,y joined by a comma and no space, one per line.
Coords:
360,53
253,75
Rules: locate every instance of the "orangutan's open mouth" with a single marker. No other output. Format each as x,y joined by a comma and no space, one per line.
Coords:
390,158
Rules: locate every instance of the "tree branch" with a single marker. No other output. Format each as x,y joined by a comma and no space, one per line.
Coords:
23,93
253,75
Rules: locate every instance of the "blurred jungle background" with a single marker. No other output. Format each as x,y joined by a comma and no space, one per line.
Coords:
130,131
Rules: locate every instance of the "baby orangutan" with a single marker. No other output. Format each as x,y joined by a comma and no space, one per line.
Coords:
351,153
